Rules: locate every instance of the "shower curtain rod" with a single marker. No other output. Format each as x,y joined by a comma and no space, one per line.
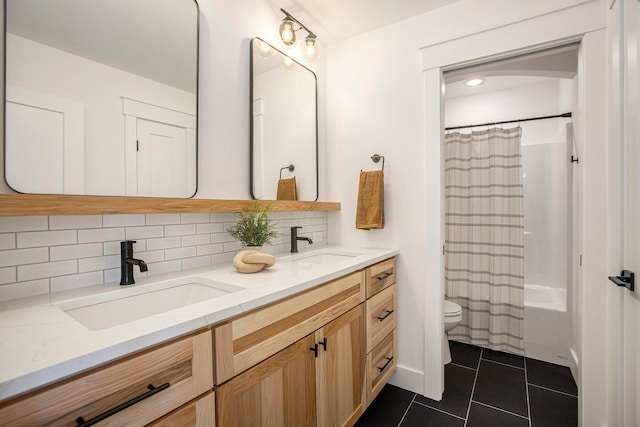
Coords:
510,121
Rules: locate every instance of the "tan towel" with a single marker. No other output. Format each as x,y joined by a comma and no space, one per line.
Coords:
370,209
287,189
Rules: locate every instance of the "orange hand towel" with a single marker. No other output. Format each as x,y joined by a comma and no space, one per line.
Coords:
370,208
287,189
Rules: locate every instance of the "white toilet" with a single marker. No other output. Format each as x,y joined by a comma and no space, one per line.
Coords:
452,316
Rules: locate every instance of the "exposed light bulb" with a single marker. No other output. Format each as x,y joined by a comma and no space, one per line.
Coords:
287,63
287,33
310,48
264,50
474,82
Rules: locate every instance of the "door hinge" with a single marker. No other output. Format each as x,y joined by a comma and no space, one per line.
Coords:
442,249
137,145
575,159
626,279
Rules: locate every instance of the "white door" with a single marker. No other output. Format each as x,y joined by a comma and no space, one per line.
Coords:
162,159
631,219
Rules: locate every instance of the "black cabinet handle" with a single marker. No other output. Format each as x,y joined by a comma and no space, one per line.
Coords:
315,350
323,343
387,314
384,276
389,359
80,422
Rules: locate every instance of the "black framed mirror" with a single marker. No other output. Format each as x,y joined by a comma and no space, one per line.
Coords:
284,126
101,97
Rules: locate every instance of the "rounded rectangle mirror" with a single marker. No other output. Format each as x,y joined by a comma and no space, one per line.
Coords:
101,97
284,126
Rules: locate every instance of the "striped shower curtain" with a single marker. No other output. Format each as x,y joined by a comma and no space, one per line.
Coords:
484,243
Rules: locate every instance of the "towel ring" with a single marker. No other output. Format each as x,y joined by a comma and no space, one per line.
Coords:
376,158
290,167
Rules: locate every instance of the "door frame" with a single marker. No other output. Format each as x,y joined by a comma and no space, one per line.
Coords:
561,28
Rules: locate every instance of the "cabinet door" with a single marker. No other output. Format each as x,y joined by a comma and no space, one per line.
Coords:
199,413
340,369
278,392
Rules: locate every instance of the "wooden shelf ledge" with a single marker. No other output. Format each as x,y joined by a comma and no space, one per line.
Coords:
44,204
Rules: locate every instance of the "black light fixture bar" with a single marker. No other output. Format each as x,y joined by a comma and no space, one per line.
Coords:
290,16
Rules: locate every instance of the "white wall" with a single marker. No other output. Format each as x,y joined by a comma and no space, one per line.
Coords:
377,92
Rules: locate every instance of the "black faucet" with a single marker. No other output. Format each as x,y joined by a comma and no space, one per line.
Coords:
127,261
295,238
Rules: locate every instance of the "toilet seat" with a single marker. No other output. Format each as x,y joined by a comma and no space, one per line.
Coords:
451,309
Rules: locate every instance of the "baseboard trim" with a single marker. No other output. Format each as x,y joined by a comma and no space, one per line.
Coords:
408,379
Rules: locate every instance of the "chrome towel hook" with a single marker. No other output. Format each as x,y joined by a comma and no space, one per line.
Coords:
376,158
290,167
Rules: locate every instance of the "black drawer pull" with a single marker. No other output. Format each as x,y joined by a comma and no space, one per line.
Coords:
389,359
80,422
384,276
387,314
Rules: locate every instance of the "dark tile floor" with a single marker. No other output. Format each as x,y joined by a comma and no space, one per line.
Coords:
484,388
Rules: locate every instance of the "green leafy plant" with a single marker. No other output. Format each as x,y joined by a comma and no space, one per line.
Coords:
254,228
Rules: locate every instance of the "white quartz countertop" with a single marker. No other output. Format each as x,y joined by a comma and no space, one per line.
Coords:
41,344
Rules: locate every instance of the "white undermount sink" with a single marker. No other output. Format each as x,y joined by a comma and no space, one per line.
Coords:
125,305
326,257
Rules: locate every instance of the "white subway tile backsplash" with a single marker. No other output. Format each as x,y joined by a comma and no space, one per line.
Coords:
163,219
39,255
223,217
23,256
35,239
210,228
47,269
180,253
8,275
74,222
123,220
179,230
164,243
23,223
210,249
100,235
196,239
24,289
75,281
98,263
195,262
7,241
148,232
59,253
194,218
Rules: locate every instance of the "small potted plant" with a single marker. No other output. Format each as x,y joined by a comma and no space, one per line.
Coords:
254,228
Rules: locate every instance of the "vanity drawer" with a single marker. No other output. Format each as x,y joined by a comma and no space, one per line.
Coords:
249,339
381,316
180,371
380,276
381,364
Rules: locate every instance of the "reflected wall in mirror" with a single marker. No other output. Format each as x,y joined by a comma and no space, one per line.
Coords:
101,97
283,126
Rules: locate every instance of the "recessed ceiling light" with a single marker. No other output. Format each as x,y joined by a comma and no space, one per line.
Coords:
474,82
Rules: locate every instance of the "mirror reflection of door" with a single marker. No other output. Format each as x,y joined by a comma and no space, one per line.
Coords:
162,154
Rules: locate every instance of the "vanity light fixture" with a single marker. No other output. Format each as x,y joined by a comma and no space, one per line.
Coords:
474,82
288,35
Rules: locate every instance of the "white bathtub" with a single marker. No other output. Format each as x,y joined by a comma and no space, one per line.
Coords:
547,325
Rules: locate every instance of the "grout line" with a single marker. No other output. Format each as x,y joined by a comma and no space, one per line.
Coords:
407,410
503,410
526,386
426,405
555,391
473,389
462,366
503,364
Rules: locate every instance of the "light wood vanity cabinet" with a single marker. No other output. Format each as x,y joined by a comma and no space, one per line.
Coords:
167,376
381,310
315,359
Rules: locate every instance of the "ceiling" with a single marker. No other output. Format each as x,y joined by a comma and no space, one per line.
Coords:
335,20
